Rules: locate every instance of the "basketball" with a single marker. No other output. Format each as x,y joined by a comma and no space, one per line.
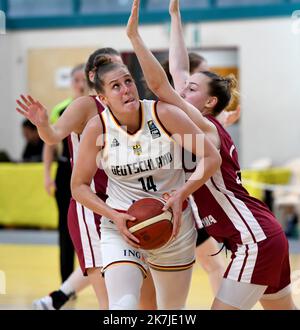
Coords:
153,226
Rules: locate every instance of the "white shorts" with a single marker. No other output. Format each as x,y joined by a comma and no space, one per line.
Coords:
176,255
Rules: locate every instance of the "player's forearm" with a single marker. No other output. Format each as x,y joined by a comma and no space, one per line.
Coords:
48,157
83,194
178,55
48,134
205,168
153,72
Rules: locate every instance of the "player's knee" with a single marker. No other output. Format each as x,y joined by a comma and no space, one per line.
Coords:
126,302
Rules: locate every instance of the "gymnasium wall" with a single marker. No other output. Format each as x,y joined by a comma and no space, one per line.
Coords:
268,65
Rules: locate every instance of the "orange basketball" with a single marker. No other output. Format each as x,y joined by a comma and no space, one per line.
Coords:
153,226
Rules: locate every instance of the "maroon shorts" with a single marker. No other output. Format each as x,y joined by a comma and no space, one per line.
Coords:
262,263
84,229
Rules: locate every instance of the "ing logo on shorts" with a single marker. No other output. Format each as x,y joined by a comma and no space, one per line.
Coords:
2,282
132,253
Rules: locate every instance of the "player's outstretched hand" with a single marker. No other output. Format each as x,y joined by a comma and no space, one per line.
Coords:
174,7
32,110
133,21
50,186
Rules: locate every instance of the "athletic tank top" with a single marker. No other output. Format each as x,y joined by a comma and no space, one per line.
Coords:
142,164
227,211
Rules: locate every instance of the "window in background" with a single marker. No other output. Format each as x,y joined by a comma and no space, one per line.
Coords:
239,3
105,6
184,4
29,8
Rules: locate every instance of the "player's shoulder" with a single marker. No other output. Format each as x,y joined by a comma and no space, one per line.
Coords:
94,124
166,110
85,101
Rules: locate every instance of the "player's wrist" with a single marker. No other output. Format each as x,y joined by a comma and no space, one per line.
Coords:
43,125
114,215
182,194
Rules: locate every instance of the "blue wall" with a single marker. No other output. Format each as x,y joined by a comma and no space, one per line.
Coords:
38,14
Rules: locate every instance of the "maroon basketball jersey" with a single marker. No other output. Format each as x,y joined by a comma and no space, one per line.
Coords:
99,183
226,209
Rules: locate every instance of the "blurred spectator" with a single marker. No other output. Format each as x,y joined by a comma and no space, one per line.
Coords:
34,145
4,157
291,220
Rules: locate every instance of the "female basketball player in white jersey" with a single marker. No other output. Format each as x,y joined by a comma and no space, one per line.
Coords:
83,224
229,214
135,142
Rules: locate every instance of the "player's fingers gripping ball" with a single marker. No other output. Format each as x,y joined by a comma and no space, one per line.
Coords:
153,226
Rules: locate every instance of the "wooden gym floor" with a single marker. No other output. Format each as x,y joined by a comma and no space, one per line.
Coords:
31,271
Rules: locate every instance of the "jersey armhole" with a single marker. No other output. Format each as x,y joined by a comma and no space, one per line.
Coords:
104,130
159,121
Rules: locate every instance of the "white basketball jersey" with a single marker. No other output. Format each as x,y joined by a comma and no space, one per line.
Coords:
146,163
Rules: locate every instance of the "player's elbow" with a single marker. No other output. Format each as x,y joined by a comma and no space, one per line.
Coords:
75,188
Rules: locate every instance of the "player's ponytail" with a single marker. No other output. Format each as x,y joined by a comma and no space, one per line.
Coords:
223,88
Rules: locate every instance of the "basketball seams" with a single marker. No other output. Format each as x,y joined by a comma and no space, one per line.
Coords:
167,215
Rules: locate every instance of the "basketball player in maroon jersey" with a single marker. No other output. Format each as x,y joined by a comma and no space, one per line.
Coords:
83,224
206,246
244,224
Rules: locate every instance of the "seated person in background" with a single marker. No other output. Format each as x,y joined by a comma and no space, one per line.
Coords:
34,145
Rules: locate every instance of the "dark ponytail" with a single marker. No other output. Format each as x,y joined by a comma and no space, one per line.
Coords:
223,88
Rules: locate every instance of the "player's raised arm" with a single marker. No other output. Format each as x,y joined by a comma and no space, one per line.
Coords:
156,77
73,118
191,138
178,55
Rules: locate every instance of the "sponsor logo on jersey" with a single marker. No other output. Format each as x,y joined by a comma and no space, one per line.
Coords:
155,133
208,221
137,149
115,143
